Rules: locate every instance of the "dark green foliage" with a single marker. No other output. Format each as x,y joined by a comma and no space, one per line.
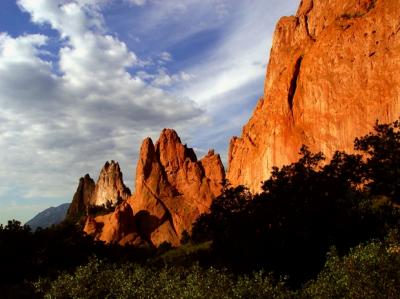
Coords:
185,255
382,168
100,280
225,210
185,239
368,271
108,207
26,255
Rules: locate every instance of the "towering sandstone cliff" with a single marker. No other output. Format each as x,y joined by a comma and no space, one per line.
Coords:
333,71
172,189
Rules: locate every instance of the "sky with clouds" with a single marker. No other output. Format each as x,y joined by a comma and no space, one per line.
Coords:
85,81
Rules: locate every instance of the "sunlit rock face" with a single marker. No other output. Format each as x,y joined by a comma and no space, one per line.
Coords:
333,71
110,186
173,188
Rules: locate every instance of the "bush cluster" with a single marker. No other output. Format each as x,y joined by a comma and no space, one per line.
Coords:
371,270
100,280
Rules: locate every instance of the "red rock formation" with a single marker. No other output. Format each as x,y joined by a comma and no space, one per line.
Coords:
333,71
173,188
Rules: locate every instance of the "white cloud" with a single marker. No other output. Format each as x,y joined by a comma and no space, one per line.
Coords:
163,79
239,58
21,49
170,22
165,56
56,126
229,79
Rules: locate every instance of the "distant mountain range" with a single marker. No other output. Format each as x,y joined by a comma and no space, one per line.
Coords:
49,217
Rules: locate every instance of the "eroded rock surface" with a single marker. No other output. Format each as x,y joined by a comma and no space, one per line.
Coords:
110,186
173,188
333,71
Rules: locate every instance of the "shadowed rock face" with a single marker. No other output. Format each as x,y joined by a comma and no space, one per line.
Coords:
333,71
81,199
173,188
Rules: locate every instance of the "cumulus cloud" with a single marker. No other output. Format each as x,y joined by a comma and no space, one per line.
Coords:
63,118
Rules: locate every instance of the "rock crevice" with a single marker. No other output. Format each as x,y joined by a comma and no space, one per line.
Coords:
293,83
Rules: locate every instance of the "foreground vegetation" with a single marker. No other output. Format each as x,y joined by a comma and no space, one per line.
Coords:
368,271
317,230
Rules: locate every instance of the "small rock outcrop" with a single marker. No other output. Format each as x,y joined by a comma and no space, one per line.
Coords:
82,199
110,188
173,188
333,71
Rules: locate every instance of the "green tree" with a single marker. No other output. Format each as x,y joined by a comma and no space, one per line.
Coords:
382,168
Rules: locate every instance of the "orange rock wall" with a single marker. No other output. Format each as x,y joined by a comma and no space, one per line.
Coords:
333,71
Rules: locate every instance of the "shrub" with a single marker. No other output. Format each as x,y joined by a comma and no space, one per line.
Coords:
368,271
98,279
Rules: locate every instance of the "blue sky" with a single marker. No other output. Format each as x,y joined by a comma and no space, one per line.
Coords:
85,81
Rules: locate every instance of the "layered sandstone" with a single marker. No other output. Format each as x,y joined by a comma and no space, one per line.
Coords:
173,188
333,71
